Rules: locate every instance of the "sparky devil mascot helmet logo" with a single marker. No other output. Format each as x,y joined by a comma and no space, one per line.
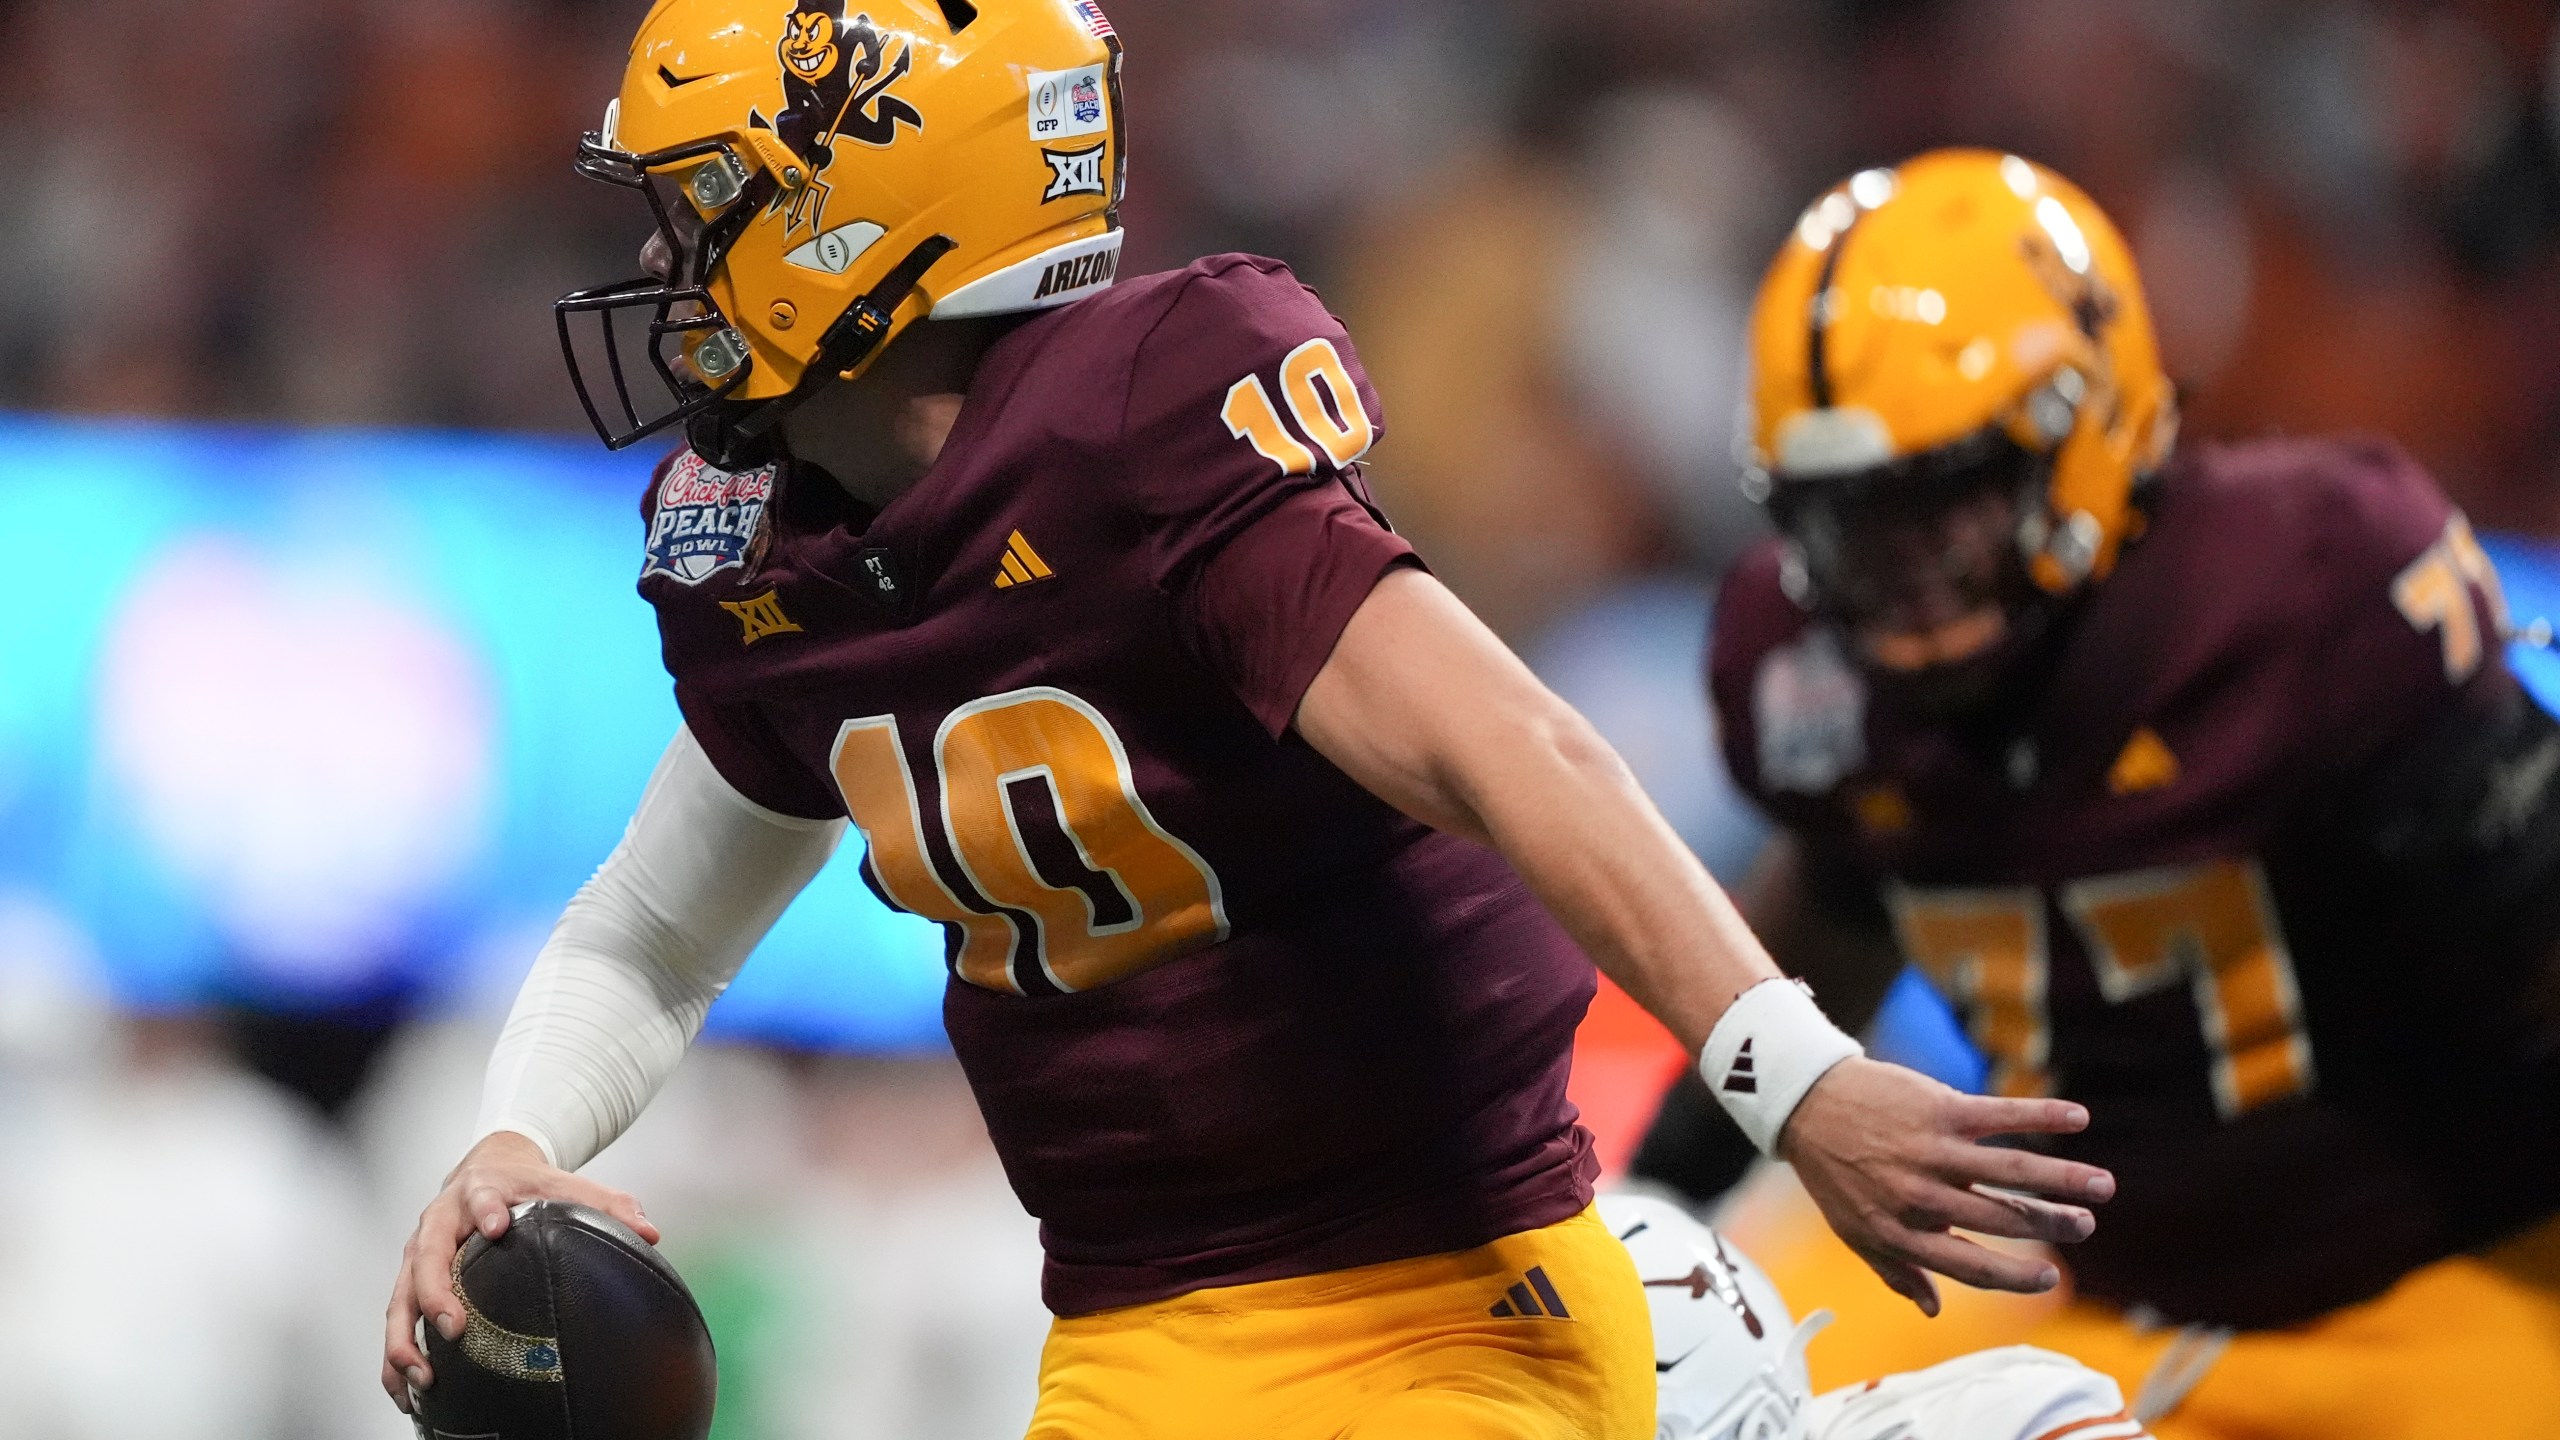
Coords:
836,78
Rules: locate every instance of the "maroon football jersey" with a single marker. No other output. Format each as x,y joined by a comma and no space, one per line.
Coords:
2145,892
1229,1016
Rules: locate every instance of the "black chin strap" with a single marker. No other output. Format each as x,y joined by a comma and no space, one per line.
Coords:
851,339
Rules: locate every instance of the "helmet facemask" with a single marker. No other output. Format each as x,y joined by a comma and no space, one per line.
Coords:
1924,562
700,196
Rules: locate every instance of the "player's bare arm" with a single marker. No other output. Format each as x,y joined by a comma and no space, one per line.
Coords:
1425,707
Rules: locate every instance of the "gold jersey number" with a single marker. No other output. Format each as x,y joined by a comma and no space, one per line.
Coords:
2211,926
1311,376
1050,737
2434,592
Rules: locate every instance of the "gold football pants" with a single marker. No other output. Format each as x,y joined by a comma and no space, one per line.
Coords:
1409,1350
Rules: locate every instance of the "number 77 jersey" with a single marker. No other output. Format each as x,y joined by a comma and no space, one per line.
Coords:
1229,1017
2263,872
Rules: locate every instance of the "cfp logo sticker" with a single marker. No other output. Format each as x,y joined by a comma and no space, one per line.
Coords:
1072,172
836,79
1067,103
834,252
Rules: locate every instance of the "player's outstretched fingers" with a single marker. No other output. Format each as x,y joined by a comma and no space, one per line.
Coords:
1903,1278
1979,1117
2018,1217
2025,1170
1963,1261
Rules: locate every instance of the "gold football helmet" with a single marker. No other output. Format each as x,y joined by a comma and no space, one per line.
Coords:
824,173
1965,319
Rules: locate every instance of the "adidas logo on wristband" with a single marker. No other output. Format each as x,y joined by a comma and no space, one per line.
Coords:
1739,1079
1759,1087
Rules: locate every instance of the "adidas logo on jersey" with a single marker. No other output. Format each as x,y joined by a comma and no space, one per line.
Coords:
1742,1079
2145,763
1531,1297
1022,564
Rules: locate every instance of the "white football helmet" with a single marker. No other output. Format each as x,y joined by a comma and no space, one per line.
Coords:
1729,1358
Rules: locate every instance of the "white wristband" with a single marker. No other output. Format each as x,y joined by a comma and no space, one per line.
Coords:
1770,1046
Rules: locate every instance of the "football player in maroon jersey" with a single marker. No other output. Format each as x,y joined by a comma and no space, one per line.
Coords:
2195,778
1267,874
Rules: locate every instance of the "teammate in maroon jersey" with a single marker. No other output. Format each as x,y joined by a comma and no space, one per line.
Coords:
1267,873
2198,783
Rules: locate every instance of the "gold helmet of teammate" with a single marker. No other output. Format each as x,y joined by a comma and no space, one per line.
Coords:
824,173
1950,356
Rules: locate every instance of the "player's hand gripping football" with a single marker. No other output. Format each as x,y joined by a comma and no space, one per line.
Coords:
1896,1162
502,1171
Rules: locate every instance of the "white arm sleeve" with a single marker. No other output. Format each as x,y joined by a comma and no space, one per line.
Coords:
624,982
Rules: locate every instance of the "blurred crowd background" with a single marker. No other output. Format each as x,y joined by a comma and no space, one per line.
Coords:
1542,222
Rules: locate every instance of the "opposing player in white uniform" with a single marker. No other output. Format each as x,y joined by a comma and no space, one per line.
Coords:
1729,1360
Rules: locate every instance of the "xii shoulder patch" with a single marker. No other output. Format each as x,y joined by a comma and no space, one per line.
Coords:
761,615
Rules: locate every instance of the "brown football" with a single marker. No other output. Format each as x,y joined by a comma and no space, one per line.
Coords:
575,1326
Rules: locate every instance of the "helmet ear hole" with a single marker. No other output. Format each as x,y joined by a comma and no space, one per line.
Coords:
957,14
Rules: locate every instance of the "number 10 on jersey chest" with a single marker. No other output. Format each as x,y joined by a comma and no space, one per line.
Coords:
1146,896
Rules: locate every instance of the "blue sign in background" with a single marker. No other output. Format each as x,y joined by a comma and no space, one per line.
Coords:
2529,570
167,587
